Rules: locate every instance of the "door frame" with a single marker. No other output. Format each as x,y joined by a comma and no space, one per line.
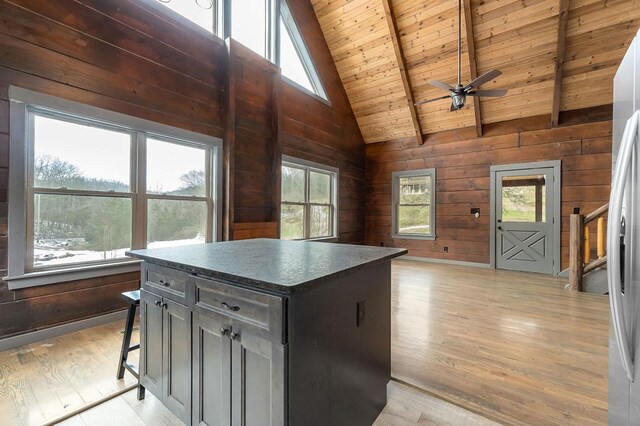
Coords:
557,207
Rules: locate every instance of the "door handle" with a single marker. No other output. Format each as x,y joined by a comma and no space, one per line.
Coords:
234,336
500,228
499,220
614,232
157,303
164,305
224,331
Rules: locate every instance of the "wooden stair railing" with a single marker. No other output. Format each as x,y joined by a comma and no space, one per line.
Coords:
580,245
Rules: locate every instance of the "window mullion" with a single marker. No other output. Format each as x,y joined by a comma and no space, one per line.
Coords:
139,238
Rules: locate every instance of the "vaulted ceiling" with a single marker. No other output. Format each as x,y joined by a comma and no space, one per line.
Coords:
551,52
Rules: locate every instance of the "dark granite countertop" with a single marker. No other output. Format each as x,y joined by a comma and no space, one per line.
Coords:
275,265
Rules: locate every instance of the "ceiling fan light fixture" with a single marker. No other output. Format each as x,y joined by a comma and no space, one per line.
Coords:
459,93
205,4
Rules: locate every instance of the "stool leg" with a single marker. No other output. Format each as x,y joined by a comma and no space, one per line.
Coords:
126,341
141,391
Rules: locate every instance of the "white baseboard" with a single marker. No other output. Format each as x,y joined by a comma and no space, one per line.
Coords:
59,330
445,261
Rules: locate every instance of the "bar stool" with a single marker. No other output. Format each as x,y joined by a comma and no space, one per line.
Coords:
133,298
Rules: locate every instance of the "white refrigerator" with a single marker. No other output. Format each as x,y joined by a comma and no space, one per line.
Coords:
623,244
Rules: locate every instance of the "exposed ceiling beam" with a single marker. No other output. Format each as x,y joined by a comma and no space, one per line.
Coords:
402,65
563,18
473,65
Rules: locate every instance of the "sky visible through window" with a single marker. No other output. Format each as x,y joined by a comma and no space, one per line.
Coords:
105,154
248,24
290,61
190,10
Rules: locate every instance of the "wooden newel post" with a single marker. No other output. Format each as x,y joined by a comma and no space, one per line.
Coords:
576,239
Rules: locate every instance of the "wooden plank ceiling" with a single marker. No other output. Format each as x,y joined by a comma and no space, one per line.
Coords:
521,38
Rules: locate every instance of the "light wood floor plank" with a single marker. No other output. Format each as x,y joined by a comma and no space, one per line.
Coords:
515,347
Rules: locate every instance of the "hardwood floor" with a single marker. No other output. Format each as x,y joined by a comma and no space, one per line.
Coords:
515,347
44,381
407,406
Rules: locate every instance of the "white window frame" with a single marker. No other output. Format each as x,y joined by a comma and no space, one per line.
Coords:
395,177
24,104
216,32
303,53
334,173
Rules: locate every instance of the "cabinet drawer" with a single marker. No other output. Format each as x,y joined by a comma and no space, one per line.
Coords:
262,313
167,282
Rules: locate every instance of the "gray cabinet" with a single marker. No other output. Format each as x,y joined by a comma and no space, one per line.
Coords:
238,356
211,370
165,364
257,385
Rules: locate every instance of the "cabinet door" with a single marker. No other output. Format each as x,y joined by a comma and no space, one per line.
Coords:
176,357
257,381
151,342
211,370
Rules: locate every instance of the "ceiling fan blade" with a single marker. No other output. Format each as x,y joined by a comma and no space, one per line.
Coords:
440,85
488,76
432,100
496,93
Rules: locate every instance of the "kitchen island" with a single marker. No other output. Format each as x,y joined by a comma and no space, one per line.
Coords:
267,332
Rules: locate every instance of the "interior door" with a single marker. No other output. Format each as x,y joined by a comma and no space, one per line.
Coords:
525,223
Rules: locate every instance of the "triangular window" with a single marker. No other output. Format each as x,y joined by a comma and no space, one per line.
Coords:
295,61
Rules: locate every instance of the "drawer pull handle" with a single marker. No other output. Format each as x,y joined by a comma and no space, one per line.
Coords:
224,331
231,308
157,303
164,305
165,283
234,336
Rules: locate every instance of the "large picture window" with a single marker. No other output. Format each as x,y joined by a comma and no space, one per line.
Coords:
99,183
309,200
413,214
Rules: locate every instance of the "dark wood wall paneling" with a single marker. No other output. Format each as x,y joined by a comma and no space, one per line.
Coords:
462,163
327,134
126,57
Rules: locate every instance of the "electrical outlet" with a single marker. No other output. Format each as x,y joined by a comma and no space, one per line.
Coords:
362,311
446,249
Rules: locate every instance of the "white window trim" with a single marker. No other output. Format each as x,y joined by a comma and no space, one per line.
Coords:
395,200
335,189
216,33
21,101
305,57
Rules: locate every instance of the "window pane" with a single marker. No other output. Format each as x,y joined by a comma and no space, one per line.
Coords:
291,222
415,190
319,188
293,184
248,24
176,223
320,221
175,169
79,156
74,229
197,12
414,220
290,61
524,198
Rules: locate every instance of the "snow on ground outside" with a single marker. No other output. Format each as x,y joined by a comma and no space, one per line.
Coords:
63,257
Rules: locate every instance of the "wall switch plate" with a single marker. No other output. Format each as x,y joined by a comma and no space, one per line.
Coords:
362,311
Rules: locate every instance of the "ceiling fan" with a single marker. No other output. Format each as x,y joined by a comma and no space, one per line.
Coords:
459,93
